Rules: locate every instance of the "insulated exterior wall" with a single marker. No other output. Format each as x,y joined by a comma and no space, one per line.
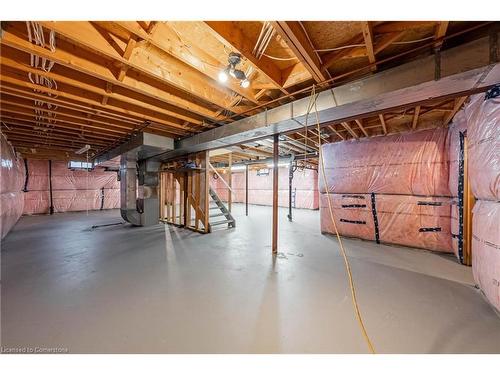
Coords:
422,222
72,190
12,176
483,133
352,214
260,188
408,164
483,119
408,176
486,249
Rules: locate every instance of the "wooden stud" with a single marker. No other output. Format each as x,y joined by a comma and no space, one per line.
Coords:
359,122
457,105
415,117
367,31
349,129
469,201
440,32
229,181
382,122
332,128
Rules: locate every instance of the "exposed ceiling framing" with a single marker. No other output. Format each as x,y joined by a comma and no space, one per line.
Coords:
108,80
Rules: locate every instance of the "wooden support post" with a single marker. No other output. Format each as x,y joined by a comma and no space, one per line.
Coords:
275,193
160,194
229,182
174,202
189,190
290,181
469,201
205,191
246,190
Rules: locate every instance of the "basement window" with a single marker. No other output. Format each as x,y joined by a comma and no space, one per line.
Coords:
73,164
263,172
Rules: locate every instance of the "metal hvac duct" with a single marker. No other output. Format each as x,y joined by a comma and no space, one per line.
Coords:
139,177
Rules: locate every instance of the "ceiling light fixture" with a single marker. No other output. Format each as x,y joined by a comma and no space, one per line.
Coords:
223,76
234,59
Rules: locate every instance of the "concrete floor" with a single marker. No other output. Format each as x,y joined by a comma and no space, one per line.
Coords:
121,289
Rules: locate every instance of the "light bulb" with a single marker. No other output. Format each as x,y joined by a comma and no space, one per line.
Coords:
245,83
223,76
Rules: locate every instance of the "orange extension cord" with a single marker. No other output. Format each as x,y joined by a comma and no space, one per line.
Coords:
342,249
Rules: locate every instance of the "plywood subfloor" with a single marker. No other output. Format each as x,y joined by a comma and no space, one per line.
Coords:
121,289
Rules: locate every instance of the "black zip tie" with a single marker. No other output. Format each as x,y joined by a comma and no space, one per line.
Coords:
353,221
432,229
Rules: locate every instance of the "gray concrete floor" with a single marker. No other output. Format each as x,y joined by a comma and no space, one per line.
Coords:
121,289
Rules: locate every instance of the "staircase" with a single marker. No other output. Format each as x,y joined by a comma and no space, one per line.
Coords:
219,210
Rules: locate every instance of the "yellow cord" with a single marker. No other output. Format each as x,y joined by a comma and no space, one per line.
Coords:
343,252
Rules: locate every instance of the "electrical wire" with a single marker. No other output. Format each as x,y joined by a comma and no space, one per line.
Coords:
357,311
280,58
339,48
362,44
414,41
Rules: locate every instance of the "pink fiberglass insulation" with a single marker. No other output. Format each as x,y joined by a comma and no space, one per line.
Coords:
12,176
72,190
483,133
486,249
260,188
422,222
352,213
410,164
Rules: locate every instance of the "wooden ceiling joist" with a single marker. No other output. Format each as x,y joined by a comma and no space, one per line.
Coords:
59,129
153,63
359,122
440,32
383,123
350,130
367,30
166,39
294,35
54,135
95,104
102,71
24,106
456,107
335,131
230,34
